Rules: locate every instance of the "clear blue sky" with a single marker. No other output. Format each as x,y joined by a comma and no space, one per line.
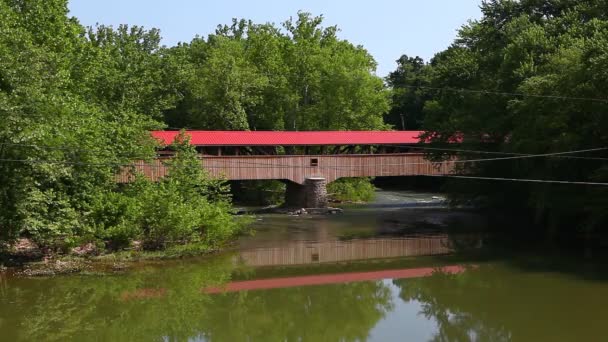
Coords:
386,28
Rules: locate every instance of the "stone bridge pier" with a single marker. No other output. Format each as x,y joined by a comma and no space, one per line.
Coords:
312,194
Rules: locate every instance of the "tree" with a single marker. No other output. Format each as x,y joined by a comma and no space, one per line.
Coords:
251,76
553,53
407,98
76,107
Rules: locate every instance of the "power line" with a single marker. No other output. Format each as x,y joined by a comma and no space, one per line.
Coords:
488,152
490,92
536,155
454,161
64,162
73,149
519,180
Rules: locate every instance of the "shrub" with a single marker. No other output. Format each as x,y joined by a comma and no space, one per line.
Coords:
114,218
186,207
352,190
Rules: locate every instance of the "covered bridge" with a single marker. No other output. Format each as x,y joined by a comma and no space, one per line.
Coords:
306,161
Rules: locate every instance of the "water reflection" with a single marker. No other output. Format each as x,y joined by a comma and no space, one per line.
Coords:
167,304
505,297
148,304
357,235
495,301
339,312
314,252
502,302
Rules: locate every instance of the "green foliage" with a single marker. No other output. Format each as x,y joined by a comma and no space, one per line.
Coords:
546,48
250,76
407,101
114,217
63,143
352,189
185,207
76,105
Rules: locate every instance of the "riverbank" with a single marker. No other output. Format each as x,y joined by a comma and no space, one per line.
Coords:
393,213
103,264
27,259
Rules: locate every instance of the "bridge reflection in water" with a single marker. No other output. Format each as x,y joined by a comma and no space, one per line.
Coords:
325,279
309,252
306,253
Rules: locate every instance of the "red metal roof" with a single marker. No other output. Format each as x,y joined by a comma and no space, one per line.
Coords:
289,138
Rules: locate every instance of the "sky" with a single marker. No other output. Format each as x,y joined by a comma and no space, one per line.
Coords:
386,28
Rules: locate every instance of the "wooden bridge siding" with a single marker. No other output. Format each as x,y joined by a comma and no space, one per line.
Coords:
340,251
332,167
298,168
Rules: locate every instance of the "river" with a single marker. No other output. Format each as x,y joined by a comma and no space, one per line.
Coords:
392,270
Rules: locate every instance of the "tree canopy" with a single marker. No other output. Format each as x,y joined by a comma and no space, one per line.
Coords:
77,104
529,77
261,77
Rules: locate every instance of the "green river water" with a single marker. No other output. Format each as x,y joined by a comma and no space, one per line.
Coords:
378,272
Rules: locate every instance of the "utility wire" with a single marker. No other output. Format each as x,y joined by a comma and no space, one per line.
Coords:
450,161
416,147
518,180
73,149
490,92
